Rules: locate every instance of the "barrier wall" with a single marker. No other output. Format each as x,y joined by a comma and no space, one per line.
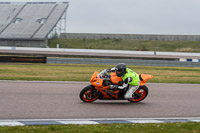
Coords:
23,59
130,36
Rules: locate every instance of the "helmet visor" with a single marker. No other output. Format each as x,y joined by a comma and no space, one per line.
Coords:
119,73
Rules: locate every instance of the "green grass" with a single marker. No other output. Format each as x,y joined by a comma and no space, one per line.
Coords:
188,127
119,44
83,72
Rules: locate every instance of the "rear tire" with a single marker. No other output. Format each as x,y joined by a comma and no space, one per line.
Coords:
140,94
89,94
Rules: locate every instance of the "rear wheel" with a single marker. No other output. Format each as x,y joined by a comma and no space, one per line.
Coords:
89,94
140,94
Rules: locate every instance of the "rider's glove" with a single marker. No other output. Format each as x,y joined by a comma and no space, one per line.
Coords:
113,86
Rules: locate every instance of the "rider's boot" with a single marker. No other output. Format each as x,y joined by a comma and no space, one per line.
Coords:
130,91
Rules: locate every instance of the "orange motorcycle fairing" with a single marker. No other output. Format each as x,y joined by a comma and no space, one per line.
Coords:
144,78
94,76
96,80
108,93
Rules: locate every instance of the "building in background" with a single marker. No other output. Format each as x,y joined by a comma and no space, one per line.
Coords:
30,24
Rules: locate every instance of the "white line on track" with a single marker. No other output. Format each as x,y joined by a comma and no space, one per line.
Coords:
22,122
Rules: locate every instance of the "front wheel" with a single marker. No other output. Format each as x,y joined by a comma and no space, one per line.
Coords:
140,94
89,94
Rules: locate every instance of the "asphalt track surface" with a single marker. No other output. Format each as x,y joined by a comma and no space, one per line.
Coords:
60,100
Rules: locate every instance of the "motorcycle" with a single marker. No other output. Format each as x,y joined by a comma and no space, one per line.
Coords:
100,88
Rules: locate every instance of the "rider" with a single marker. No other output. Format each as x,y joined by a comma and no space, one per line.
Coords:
130,79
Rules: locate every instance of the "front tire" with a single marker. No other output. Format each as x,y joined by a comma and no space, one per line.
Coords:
140,94
89,94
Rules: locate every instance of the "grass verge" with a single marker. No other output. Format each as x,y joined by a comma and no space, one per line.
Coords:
83,72
188,127
120,44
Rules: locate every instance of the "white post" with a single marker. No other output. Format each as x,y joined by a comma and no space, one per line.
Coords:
57,45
